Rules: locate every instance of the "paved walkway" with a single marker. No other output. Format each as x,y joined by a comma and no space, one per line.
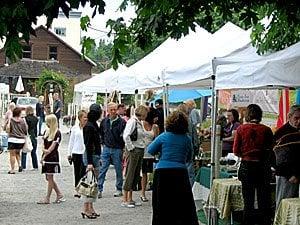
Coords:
20,192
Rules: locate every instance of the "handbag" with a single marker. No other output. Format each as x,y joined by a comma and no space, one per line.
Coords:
87,185
7,127
28,145
134,134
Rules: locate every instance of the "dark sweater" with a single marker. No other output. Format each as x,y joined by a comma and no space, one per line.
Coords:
253,142
40,110
32,121
91,136
112,134
289,163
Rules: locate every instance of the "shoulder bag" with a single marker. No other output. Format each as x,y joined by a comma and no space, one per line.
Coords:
28,145
87,185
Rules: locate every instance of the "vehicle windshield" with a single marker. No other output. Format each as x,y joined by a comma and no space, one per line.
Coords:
27,101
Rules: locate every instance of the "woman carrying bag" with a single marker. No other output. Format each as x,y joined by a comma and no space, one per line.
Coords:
91,137
135,147
32,122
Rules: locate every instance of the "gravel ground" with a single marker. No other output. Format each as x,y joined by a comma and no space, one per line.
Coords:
20,192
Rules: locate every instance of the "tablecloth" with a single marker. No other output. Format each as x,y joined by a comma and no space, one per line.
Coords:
226,196
288,212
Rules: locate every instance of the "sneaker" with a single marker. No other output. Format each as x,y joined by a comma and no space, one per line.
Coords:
127,204
135,203
99,195
118,194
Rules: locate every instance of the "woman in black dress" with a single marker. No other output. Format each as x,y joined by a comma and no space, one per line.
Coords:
50,158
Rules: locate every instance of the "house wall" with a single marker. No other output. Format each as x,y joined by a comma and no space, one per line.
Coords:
71,24
65,56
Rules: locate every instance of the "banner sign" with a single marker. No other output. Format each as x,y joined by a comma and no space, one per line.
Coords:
268,100
88,99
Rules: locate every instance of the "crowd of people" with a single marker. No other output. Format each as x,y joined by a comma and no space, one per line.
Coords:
133,143
140,142
263,154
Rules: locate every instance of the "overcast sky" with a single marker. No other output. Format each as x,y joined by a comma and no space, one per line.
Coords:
99,21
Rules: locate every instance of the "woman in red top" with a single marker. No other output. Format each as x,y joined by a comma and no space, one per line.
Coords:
253,143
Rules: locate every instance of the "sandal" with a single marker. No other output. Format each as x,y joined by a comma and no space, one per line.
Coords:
95,214
43,202
11,172
60,200
144,199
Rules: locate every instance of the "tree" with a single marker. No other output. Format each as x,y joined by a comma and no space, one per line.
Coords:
102,54
159,19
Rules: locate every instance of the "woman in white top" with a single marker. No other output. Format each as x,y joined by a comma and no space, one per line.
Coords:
151,131
77,148
134,138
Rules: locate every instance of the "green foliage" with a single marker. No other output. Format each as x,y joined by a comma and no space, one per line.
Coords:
158,19
17,17
50,75
103,54
174,18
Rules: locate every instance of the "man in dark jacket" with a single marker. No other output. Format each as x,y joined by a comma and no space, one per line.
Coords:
111,131
287,151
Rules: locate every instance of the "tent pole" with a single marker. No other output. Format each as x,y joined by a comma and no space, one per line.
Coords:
120,97
213,121
213,131
284,104
136,97
167,100
164,95
106,102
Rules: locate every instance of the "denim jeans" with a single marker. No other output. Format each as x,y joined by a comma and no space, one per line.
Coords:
33,155
41,120
108,155
191,172
96,161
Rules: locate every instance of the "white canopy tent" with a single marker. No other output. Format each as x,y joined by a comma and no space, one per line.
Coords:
108,81
186,63
244,68
149,71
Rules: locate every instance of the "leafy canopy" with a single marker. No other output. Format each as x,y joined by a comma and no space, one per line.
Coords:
159,19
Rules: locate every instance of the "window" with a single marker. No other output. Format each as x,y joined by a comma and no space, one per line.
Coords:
61,31
53,52
26,51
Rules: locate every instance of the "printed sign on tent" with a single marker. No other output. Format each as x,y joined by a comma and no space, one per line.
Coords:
268,100
88,99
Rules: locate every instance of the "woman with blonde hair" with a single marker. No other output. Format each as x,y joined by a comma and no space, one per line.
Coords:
77,148
9,113
134,138
50,158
